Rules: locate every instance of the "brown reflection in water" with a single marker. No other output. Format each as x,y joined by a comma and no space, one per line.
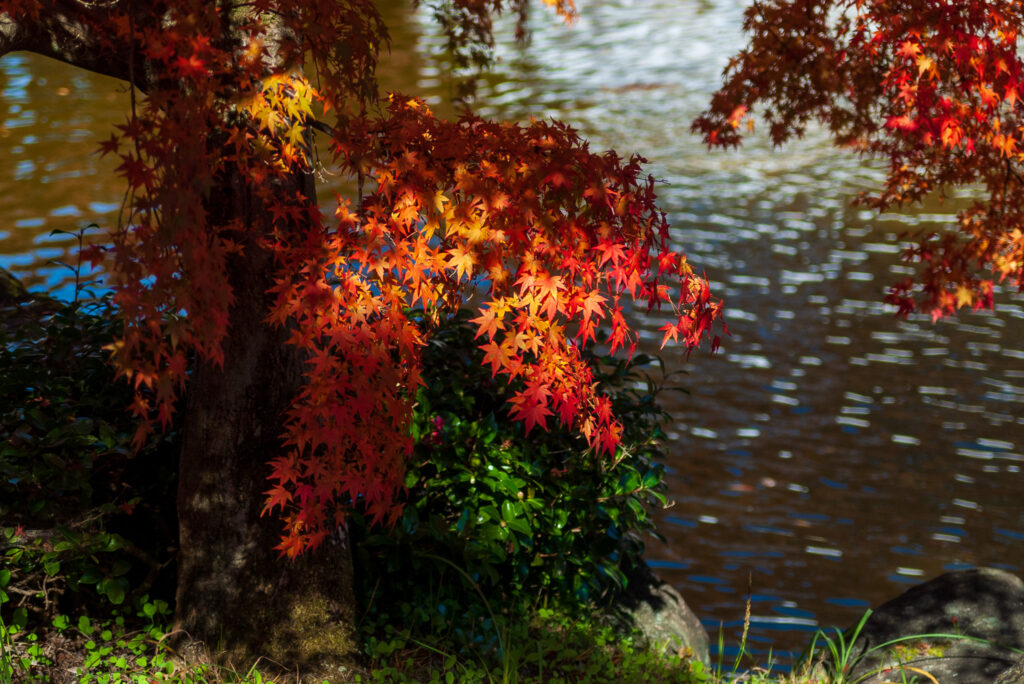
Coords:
836,452
52,118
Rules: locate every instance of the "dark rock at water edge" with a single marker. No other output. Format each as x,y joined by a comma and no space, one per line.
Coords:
11,289
984,603
19,307
655,609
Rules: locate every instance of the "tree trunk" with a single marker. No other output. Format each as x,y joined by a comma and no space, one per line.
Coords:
234,593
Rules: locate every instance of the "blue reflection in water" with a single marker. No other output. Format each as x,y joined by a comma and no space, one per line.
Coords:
846,602
667,564
103,207
914,550
761,598
682,522
903,579
705,579
66,210
984,445
1010,533
951,567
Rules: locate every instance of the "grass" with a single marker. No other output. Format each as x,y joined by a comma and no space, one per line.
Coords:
549,648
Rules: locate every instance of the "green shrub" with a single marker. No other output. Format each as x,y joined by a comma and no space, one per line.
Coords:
85,520
531,520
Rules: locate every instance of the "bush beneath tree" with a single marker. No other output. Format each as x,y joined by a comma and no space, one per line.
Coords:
497,524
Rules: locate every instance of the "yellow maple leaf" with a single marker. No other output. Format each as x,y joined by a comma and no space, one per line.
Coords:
964,296
462,261
925,64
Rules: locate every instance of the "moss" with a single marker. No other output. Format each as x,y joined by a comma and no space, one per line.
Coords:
320,635
308,634
920,648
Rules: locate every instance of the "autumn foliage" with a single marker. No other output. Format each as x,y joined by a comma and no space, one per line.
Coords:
550,241
933,88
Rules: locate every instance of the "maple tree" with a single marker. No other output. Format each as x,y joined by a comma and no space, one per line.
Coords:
292,328
933,88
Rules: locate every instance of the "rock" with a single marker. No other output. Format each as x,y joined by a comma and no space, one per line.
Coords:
11,289
20,307
1015,675
983,603
654,608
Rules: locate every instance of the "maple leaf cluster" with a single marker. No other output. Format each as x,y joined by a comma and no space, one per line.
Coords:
555,240
931,87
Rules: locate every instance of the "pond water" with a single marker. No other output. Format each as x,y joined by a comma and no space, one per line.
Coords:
831,454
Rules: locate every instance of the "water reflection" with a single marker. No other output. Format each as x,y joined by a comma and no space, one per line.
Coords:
51,120
831,453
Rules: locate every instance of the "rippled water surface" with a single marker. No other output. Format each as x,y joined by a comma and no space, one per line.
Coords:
831,454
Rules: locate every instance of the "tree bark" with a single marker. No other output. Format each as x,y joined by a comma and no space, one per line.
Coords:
233,590
234,594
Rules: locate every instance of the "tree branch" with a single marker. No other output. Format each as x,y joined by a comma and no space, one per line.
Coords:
81,33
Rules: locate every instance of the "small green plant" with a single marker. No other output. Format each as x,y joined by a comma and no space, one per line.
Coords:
6,651
839,650
129,647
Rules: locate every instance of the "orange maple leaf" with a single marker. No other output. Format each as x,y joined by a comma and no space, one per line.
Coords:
462,260
909,49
